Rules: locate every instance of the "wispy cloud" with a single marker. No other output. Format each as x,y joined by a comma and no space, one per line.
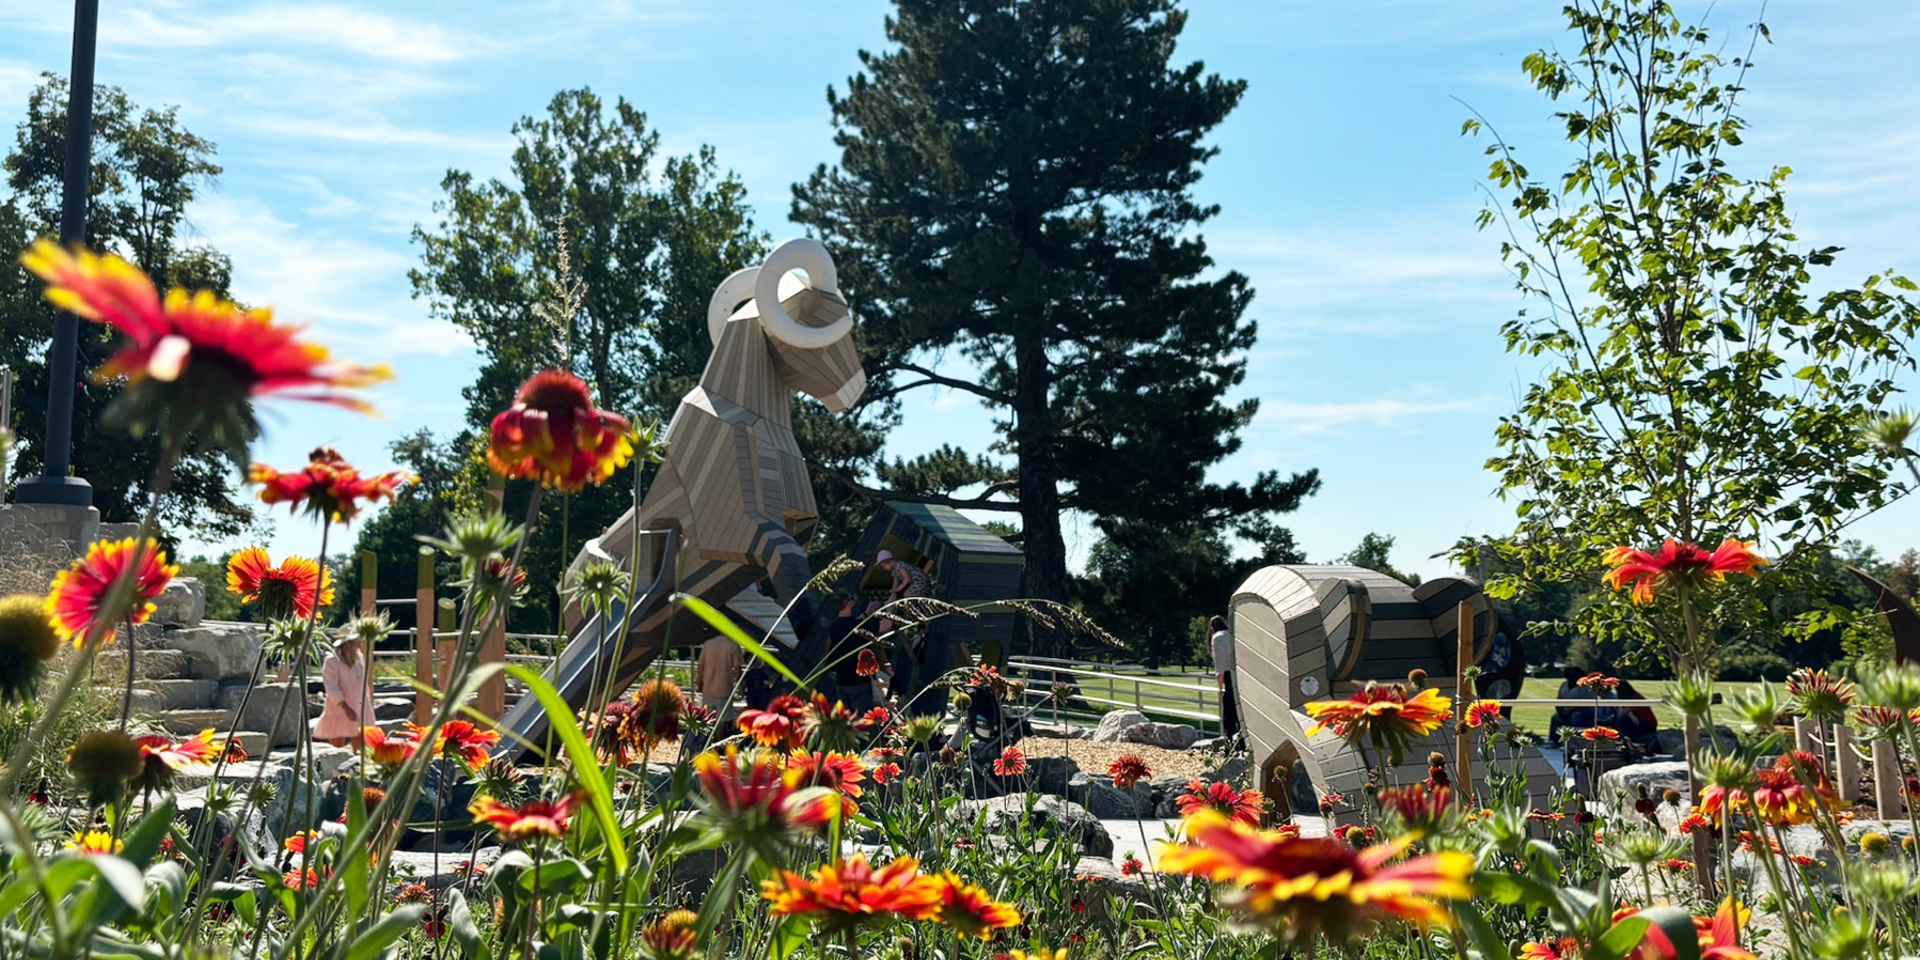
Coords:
1330,416
355,291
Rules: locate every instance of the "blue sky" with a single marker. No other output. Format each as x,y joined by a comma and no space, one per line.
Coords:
1348,194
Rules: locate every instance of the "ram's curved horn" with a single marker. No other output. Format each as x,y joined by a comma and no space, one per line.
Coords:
738,286
799,253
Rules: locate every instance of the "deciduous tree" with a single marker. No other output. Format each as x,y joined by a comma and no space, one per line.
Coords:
1699,382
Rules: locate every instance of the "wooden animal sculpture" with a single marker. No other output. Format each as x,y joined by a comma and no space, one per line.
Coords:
1304,633
731,506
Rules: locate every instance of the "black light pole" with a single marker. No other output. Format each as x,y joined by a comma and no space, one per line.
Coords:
53,486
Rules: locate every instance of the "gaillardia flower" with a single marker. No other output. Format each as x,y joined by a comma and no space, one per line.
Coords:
1128,769
540,818
90,843
161,757
555,436
1677,562
675,936
754,801
462,740
970,910
658,706
192,361
28,639
328,486
1299,886
285,590
852,893
1383,713
79,597
104,762
1244,806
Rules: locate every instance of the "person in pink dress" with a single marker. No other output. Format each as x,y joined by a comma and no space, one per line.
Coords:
349,707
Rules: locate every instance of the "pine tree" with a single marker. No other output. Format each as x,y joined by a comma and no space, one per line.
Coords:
1015,185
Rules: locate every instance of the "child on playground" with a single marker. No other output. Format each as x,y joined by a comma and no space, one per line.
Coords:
348,709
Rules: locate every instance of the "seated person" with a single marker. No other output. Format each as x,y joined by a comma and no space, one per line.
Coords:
1637,724
1570,689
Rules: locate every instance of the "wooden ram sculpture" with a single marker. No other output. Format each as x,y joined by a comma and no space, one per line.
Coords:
731,507
1305,633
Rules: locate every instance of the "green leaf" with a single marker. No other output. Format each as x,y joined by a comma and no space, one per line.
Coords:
460,924
732,631
143,841
586,766
789,936
1487,944
375,939
123,878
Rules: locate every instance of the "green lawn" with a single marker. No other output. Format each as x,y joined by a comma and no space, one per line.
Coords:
1536,719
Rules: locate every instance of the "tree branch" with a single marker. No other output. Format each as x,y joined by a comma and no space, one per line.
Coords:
874,493
964,386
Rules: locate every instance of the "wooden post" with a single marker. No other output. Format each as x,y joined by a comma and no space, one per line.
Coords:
369,583
423,648
447,641
1886,780
492,698
1462,739
1806,736
1846,763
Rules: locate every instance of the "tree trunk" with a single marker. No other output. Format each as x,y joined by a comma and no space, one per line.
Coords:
1045,574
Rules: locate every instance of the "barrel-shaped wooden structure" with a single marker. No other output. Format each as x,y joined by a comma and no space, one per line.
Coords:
1320,632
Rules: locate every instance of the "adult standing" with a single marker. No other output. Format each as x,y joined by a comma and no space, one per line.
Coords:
1221,642
846,642
721,664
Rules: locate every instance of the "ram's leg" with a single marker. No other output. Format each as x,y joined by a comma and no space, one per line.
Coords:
785,561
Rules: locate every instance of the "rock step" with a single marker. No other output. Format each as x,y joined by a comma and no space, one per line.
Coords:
263,708
149,663
184,693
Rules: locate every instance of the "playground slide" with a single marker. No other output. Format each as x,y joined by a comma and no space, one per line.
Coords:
585,659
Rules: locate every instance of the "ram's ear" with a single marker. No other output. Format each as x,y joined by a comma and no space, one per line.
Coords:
811,257
736,289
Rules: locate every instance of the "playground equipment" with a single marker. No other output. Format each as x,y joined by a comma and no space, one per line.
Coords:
1304,633
732,505
968,566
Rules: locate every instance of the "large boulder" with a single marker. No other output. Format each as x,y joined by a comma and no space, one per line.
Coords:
1114,725
1036,815
1621,786
1051,774
218,650
1167,736
1103,882
1108,802
279,710
182,604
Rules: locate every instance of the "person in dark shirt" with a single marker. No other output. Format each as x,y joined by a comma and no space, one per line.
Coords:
845,643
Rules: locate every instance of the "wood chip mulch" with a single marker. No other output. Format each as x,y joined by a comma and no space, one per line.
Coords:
1093,758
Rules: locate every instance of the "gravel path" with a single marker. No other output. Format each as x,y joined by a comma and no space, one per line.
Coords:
1094,757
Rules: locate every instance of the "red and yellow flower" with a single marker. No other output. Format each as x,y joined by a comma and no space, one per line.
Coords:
1383,714
1243,806
1481,713
89,843
885,773
675,936
658,706
1718,937
837,771
328,486
195,347
162,757
1128,769
389,750
1010,763
290,588
851,893
1599,733
78,600
540,818
460,739
754,799
1676,562
555,436
970,910
1564,948
778,725
1299,885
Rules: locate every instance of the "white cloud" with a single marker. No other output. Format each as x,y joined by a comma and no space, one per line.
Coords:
1329,416
174,26
354,292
